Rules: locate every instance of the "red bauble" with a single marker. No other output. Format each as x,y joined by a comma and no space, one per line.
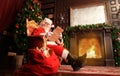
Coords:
17,26
38,14
118,54
35,1
30,7
118,33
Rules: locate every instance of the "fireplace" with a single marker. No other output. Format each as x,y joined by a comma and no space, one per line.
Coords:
96,43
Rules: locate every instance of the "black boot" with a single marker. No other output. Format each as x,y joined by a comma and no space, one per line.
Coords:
76,62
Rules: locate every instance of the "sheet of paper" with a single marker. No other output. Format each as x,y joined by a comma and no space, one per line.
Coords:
56,34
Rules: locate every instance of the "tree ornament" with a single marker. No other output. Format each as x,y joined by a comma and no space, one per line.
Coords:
39,17
33,10
38,3
30,7
24,44
116,63
118,38
118,54
118,33
38,14
25,9
35,1
115,50
17,26
24,33
19,15
17,32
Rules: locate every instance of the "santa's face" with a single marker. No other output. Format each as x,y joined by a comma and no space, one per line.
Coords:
46,26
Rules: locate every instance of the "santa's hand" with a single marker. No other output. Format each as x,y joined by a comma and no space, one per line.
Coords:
49,33
59,42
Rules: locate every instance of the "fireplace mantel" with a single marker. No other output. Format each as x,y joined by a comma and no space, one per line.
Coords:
107,49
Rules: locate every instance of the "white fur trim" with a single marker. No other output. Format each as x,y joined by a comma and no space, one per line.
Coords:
42,34
65,53
51,43
52,25
48,21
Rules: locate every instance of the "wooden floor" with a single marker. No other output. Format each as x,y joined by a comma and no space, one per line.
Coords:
66,70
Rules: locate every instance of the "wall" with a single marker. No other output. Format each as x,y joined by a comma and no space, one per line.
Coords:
112,9
88,15
114,12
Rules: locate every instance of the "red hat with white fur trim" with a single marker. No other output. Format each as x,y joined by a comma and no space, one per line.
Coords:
48,21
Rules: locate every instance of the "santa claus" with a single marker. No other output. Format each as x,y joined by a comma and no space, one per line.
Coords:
41,59
75,62
43,53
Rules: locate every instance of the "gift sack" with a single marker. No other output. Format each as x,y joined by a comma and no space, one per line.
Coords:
39,64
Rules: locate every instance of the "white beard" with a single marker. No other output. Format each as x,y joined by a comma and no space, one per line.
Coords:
47,29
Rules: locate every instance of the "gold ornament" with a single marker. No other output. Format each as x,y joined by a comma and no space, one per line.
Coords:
115,50
16,31
116,63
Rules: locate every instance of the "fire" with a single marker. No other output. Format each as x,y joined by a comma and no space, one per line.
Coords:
91,52
91,46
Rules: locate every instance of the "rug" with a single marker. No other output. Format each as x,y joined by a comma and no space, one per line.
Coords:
66,70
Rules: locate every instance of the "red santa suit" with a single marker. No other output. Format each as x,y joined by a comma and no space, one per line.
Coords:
38,63
58,49
46,25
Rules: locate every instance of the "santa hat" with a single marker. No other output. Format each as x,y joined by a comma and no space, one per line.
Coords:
39,32
49,21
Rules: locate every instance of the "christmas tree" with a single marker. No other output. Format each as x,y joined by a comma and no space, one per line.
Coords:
31,10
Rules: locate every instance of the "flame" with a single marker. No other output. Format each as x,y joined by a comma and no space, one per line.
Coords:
91,47
91,52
